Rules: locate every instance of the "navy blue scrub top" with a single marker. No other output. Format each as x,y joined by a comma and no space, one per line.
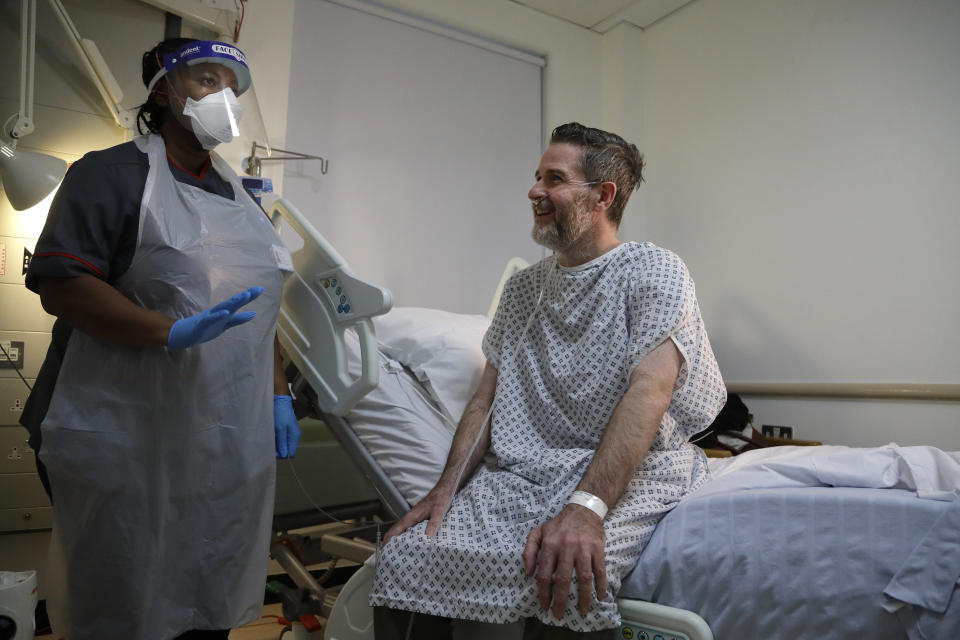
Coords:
92,230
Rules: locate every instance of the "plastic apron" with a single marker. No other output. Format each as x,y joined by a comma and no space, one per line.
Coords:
162,462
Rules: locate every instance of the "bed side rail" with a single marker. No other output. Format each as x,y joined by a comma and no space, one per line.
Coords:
390,496
641,619
321,299
513,265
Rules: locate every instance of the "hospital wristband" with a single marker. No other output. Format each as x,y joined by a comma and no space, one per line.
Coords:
589,501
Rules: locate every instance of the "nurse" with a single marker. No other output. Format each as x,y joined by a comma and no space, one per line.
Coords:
152,412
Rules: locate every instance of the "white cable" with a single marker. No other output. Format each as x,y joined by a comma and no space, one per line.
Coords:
483,427
410,626
463,468
486,419
293,470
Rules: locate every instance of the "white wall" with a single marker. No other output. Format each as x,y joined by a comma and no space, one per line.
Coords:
623,108
573,78
802,158
573,87
432,142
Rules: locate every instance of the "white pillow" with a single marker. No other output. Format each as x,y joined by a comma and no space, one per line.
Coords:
443,350
400,426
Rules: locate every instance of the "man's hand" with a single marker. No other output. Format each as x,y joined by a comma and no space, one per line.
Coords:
431,508
470,443
573,540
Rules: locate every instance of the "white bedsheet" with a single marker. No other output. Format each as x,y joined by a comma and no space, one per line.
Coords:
923,592
804,544
442,349
401,426
930,472
430,365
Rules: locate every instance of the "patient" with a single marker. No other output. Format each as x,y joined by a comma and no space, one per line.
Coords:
598,370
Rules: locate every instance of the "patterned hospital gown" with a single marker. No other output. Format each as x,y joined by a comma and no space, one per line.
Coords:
564,341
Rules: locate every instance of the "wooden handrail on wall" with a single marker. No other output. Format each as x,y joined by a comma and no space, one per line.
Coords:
856,390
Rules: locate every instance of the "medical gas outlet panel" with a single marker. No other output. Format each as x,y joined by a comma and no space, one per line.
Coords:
24,337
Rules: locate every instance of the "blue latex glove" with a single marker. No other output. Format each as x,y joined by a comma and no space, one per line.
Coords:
207,325
286,429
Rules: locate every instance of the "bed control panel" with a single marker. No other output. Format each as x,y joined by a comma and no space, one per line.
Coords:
637,631
337,295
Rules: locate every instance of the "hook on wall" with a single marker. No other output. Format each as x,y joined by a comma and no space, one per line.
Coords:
252,166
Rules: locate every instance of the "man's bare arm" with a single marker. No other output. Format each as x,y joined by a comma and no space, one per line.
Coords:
633,425
574,539
466,452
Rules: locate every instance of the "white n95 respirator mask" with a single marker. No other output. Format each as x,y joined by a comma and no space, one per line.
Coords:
215,118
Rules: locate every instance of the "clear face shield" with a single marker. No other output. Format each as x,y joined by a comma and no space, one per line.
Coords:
211,91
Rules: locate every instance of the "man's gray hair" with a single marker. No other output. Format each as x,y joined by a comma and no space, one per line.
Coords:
606,157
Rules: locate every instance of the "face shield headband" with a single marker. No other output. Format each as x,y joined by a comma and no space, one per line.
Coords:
206,51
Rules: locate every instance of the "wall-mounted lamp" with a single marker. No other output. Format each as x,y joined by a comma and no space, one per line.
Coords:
27,177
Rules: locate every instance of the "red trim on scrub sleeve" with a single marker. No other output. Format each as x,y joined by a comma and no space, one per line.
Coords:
60,254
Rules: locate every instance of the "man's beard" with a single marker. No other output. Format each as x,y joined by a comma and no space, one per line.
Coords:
569,225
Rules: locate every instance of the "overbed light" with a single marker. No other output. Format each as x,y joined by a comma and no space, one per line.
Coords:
28,177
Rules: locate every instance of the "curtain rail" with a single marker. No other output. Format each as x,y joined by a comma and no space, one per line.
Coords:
857,390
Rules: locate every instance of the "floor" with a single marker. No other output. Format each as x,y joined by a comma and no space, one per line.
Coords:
266,628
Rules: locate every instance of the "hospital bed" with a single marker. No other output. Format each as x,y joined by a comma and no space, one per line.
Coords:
788,542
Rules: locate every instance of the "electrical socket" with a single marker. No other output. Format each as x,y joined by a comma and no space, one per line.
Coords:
777,431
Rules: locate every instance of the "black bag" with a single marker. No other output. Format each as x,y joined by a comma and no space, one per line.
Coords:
731,422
